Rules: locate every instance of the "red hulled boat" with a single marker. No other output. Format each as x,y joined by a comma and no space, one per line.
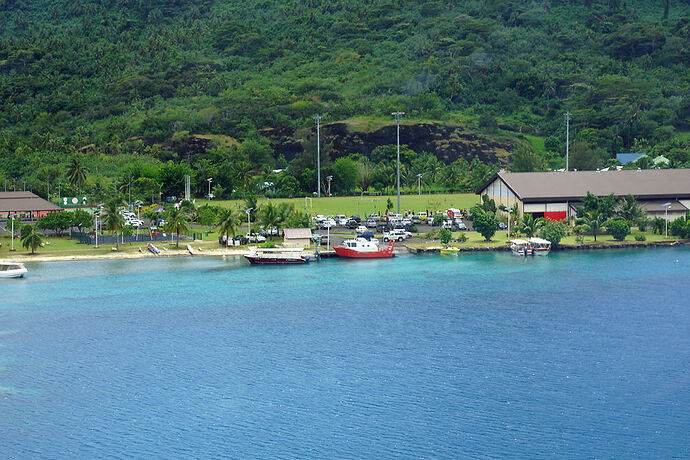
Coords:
364,247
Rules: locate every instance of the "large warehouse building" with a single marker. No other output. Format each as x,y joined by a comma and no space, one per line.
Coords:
554,195
25,204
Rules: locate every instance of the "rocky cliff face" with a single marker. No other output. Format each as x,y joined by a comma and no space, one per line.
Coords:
448,142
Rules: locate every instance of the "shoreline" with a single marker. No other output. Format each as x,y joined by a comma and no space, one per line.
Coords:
588,246
220,252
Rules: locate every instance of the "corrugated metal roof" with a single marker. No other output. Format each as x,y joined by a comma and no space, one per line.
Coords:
24,202
658,206
297,233
574,185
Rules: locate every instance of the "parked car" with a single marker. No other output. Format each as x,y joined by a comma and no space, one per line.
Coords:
447,224
371,223
460,225
421,216
397,234
360,229
356,218
341,220
502,225
241,238
327,223
352,224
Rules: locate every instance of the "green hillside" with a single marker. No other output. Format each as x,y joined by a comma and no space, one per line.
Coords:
132,77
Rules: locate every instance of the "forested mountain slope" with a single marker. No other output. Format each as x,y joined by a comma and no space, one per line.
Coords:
102,72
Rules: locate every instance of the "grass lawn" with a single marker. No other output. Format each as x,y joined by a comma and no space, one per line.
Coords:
361,205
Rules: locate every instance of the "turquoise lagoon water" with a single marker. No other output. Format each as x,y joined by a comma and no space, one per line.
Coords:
581,354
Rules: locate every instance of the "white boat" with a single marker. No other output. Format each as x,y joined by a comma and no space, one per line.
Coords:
190,249
540,247
277,256
521,247
12,270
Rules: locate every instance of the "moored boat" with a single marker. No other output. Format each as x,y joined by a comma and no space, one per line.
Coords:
521,247
190,249
277,256
540,247
364,247
154,250
450,251
12,270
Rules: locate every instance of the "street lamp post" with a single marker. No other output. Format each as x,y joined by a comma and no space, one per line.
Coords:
567,138
509,208
329,179
97,215
317,119
12,248
667,206
419,183
210,179
398,116
249,220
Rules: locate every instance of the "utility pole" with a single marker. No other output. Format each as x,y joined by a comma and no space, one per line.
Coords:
329,179
567,138
317,119
398,116
419,184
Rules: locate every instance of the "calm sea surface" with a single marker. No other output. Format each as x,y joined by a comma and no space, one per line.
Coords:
581,354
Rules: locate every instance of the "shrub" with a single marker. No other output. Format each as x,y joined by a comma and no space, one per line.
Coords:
618,228
640,237
445,235
438,220
462,238
679,228
553,231
267,245
486,224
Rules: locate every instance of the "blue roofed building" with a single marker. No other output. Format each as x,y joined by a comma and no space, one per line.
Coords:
626,158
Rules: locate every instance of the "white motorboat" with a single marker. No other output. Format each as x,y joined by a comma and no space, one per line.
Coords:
540,247
521,247
277,256
12,270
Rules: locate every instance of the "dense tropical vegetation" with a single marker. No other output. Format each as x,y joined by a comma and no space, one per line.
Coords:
103,97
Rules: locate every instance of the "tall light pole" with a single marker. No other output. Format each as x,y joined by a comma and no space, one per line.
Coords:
667,206
249,220
398,116
317,119
567,138
329,179
210,179
12,248
96,215
419,183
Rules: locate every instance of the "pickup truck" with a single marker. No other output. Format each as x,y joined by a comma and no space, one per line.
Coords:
255,238
397,235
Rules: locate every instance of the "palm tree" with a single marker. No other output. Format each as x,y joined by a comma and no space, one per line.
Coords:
31,239
114,220
593,222
270,217
76,171
365,174
176,221
228,222
529,225
630,210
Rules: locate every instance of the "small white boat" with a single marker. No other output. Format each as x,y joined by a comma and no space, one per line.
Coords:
189,248
277,256
521,247
12,270
540,247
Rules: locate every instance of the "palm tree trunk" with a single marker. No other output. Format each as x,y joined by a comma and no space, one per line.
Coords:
178,239
117,241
